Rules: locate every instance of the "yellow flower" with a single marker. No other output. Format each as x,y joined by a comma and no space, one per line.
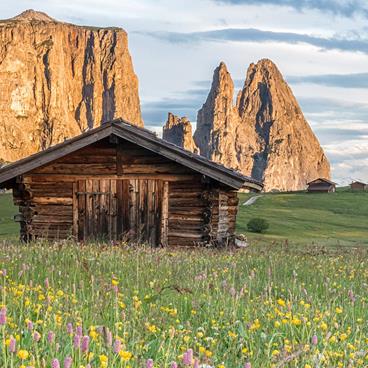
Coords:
114,282
275,353
307,366
338,310
232,334
281,302
23,354
125,355
104,360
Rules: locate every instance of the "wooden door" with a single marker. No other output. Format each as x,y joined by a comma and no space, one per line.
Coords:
134,210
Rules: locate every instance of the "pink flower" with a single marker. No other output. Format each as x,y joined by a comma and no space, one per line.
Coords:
79,330
117,346
149,363
85,344
68,361
50,337
173,365
188,357
314,340
12,344
3,316
196,364
55,363
47,284
30,325
351,296
247,365
69,328
36,336
77,341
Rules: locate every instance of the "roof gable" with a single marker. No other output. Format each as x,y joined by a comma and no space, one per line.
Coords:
136,135
318,180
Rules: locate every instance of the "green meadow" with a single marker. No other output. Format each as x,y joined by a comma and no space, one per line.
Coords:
335,219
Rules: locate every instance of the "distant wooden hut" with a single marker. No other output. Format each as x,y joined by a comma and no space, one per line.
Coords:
121,182
358,185
321,185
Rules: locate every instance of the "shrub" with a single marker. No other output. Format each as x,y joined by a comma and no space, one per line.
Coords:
257,225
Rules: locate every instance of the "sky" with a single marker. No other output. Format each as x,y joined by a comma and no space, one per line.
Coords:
320,47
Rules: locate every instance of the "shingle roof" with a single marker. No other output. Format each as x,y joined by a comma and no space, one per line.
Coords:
141,137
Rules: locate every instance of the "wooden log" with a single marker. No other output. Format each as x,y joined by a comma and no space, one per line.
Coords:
165,214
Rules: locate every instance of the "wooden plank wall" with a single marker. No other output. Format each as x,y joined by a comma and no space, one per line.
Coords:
194,211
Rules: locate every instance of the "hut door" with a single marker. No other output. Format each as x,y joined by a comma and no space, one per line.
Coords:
95,209
134,210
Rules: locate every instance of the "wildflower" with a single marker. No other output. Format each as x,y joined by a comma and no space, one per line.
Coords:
36,336
247,365
173,365
55,363
69,328
30,325
188,357
149,363
3,316
281,302
23,354
12,344
68,361
103,360
85,344
79,331
50,337
338,310
77,341
117,346
125,355
314,340
351,296
47,284
196,364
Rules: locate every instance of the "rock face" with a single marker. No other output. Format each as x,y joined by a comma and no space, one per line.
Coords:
58,79
265,134
179,131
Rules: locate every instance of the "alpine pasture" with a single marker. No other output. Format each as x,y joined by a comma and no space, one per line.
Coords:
272,304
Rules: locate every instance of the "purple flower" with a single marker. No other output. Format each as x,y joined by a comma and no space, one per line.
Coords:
3,316
79,330
12,344
77,341
85,344
55,363
50,337
68,362
117,346
314,340
188,357
36,336
196,364
69,328
173,365
149,363
30,325
247,365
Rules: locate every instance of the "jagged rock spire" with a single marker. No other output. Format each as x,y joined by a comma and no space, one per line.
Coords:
179,131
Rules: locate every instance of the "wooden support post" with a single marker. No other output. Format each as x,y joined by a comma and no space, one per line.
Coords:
165,214
75,210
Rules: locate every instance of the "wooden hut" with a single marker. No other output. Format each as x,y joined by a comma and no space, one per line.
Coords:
358,185
121,182
321,185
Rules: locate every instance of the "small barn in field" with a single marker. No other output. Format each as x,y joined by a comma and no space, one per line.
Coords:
121,182
321,185
358,185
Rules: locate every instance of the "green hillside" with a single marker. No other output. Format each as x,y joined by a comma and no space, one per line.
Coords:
339,218
8,228
329,219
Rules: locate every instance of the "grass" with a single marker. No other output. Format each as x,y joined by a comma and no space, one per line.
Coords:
8,228
271,306
328,218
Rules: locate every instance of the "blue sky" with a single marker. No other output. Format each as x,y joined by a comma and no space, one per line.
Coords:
320,46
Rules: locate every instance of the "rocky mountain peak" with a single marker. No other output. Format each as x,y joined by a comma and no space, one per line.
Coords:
265,135
33,15
59,79
179,131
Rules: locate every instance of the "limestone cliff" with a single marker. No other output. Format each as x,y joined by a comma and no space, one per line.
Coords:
179,131
58,79
265,134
